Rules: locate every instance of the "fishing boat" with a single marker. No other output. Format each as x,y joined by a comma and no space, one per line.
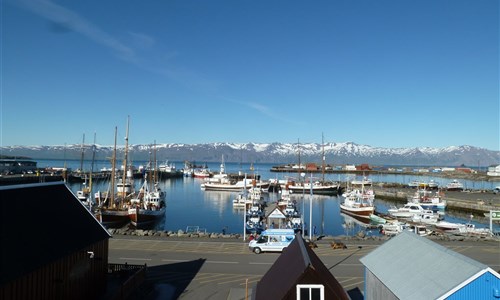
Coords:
365,181
454,185
112,211
222,176
202,172
356,205
428,199
149,207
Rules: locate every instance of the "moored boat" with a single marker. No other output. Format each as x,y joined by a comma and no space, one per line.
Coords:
356,205
317,188
149,206
374,219
232,186
428,199
454,185
407,211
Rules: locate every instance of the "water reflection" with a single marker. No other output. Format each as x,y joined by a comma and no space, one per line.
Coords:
188,205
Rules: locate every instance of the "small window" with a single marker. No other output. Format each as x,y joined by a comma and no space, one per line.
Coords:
262,239
310,292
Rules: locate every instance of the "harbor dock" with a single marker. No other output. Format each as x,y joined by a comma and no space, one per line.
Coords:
467,201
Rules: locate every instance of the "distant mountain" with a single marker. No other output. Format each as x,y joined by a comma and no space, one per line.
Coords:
335,153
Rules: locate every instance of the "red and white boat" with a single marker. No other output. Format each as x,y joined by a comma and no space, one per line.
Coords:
356,205
149,206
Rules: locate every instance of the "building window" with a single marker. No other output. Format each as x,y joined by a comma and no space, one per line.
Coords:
310,292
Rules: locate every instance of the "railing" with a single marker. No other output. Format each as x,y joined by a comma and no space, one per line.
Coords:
134,274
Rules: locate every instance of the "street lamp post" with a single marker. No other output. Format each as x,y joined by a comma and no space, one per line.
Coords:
310,208
245,210
303,175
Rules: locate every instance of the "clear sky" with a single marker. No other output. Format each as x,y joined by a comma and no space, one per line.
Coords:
399,73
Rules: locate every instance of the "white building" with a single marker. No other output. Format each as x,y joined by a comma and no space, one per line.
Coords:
493,171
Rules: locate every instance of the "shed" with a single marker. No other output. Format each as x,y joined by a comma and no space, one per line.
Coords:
275,218
52,246
298,271
409,266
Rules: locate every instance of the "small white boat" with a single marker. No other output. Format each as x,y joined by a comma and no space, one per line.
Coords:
365,182
421,230
393,228
461,228
455,185
407,211
426,218
230,186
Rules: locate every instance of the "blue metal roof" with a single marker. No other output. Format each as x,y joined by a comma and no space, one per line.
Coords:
413,267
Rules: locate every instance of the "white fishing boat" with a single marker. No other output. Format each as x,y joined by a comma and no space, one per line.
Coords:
428,199
201,173
365,181
454,185
148,207
356,205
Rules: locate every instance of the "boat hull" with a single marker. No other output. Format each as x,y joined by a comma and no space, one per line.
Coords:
230,187
321,190
111,218
359,212
145,218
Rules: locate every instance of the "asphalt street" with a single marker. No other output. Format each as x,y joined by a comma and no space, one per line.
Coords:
188,268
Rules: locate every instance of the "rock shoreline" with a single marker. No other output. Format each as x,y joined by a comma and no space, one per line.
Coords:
180,234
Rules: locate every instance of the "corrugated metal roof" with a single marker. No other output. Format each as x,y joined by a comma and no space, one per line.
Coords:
414,267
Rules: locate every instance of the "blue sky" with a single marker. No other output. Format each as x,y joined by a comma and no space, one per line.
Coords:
395,73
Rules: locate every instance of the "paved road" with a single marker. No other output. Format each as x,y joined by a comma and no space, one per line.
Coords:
214,269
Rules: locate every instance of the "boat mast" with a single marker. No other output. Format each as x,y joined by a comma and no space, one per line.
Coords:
298,147
81,157
125,159
155,173
323,162
91,172
113,172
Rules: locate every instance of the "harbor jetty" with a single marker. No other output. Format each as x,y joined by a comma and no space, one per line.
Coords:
467,201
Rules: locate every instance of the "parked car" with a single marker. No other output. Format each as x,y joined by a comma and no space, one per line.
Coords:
496,190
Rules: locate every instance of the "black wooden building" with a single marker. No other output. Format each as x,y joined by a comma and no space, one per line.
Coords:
51,246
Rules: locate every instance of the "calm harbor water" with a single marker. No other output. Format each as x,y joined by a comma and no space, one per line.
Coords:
188,205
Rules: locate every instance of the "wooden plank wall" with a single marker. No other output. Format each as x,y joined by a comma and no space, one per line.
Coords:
76,276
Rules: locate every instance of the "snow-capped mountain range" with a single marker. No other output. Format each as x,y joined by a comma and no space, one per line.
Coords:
335,153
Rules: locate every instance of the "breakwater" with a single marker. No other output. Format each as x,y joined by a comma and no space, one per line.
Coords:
474,202
359,237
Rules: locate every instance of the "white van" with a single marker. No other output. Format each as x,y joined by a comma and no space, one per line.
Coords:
272,240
